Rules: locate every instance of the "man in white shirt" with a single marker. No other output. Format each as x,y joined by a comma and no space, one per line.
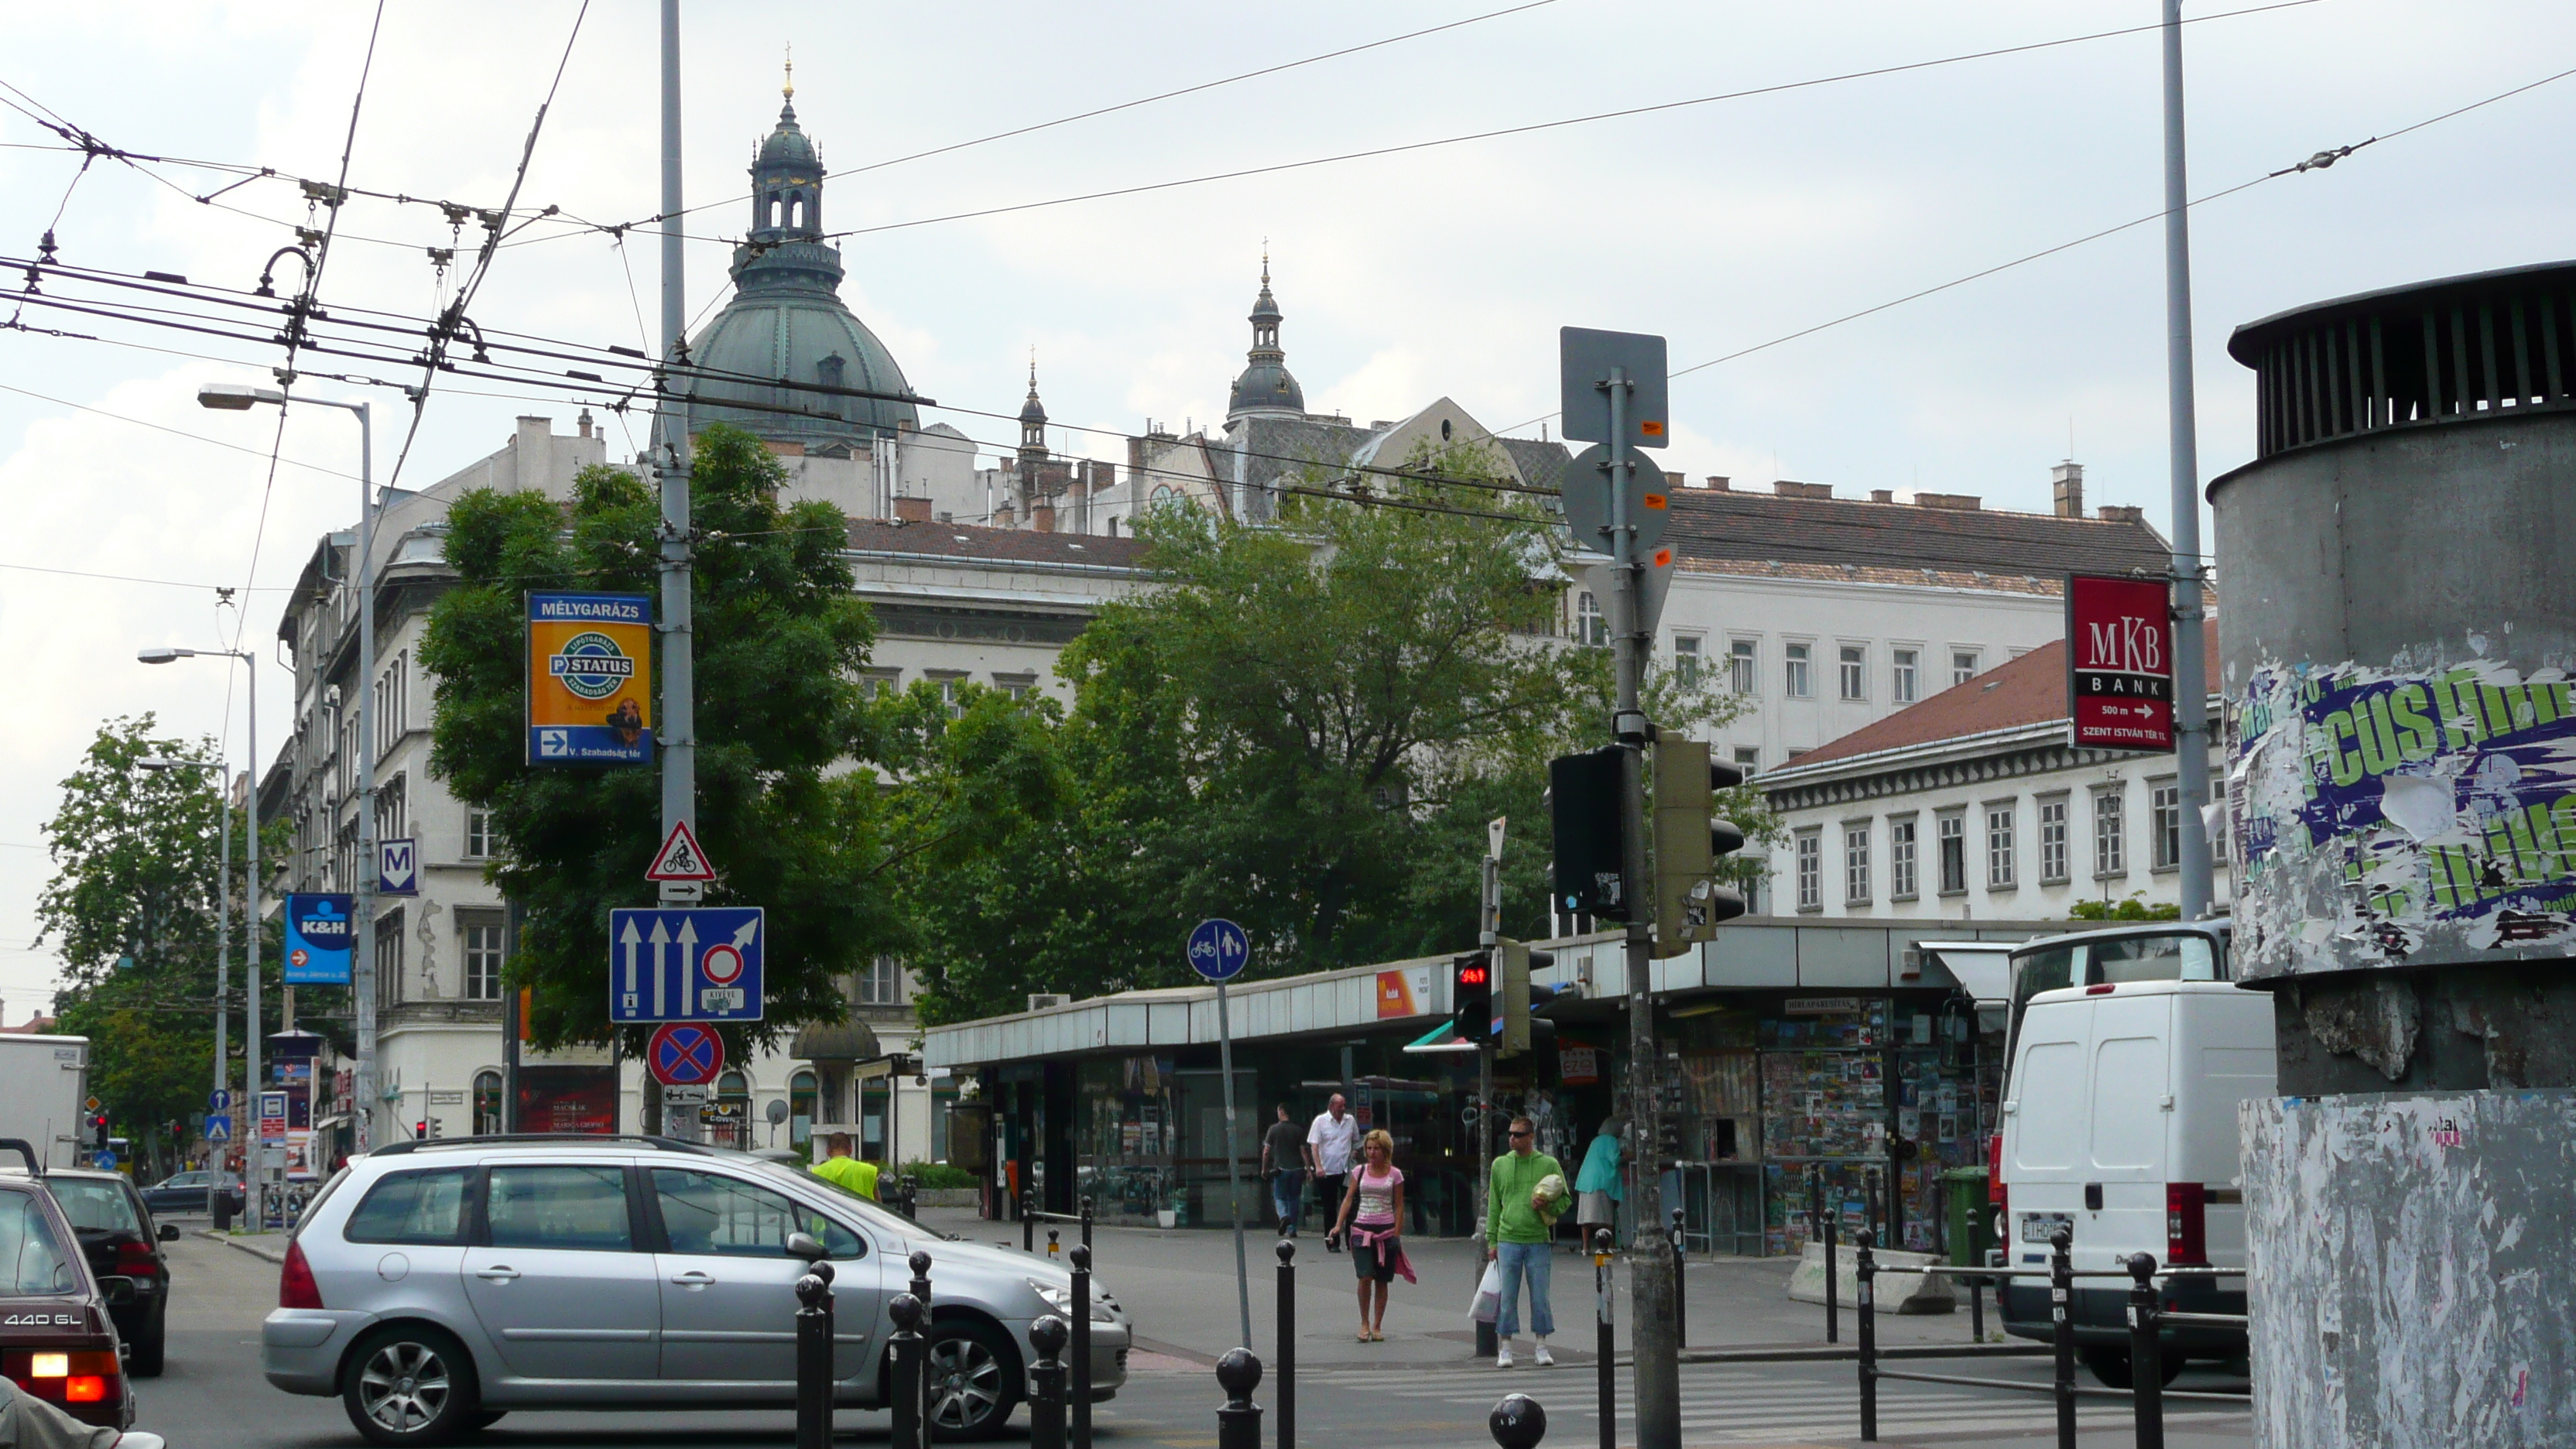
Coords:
1330,1142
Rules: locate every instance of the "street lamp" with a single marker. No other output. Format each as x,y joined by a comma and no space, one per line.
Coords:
250,893
240,397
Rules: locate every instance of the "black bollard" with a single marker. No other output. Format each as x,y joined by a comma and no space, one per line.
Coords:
1865,1269
920,1287
1287,1394
1238,1420
905,1352
1977,1308
2061,1299
1086,1220
1028,1220
1046,1383
813,1364
1081,1390
1053,1249
2146,1353
1604,1343
1833,1288
1518,1422
1819,1230
1681,1305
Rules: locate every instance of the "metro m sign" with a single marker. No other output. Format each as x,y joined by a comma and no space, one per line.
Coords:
2119,663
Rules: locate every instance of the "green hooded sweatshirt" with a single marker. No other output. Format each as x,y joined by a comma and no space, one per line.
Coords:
1509,1218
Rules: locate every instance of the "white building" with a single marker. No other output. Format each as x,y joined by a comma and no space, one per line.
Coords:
1973,806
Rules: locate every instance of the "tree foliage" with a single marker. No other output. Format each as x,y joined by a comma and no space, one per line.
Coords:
2134,908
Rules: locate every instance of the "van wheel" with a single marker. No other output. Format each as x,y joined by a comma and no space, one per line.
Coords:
973,1379
410,1385
2111,1366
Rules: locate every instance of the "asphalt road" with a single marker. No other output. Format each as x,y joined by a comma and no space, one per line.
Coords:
213,1397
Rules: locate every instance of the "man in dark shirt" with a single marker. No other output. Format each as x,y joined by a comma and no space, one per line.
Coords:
1283,1158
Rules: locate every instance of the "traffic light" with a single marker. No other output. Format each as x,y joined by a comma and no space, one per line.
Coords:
98,1131
1689,843
1471,997
1583,817
1515,961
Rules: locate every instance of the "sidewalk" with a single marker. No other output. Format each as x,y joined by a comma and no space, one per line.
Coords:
271,1246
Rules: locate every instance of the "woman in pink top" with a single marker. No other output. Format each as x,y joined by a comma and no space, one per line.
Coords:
1371,1214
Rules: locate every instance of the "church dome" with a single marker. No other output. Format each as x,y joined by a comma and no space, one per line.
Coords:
1265,387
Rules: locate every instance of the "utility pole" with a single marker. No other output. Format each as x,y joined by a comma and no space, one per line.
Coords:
1489,927
2191,676
679,736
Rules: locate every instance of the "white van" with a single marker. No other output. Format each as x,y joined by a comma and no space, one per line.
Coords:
2131,1052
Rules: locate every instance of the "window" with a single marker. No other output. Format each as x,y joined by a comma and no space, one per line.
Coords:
32,1260
487,1104
1590,627
559,1207
1796,679
1999,847
478,835
951,703
1963,665
1855,659
801,1100
1856,864
393,703
881,983
1743,662
1017,686
1901,679
1901,858
2053,866
1686,660
1950,834
1748,758
878,683
393,811
711,1215
389,957
2164,824
96,1205
2110,833
728,1117
1811,871
425,1208
480,938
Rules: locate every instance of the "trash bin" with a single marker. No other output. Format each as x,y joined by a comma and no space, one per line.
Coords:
1969,1231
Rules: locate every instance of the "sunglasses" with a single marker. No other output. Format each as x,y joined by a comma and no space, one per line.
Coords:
1524,1134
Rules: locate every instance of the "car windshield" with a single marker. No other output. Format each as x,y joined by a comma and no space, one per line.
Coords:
877,1214
95,1204
33,1260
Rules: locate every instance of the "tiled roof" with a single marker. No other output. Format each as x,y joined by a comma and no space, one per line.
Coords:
2049,585
998,545
1707,523
2026,691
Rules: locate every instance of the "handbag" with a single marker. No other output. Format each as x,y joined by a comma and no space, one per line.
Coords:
1488,1305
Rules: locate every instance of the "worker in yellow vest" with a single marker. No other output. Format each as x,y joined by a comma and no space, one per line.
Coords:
842,1170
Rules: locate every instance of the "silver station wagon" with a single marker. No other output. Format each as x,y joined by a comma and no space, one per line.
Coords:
436,1285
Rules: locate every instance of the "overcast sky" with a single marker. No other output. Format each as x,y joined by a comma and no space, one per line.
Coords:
1403,278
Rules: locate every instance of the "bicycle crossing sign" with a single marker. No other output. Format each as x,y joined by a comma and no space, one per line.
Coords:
680,858
700,964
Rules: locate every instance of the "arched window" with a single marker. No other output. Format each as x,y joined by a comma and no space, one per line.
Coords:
729,1123
796,208
802,1098
1164,495
488,1118
771,210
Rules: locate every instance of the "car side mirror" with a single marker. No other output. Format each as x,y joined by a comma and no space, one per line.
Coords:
807,1247
169,1232
118,1291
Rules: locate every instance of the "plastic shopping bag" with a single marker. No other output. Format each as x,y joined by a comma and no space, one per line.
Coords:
1489,1295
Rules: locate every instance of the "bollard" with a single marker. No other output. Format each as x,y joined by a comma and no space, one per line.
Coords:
1046,1384
1865,1268
1053,1250
2061,1299
1028,1220
1823,1231
813,1364
906,1355
1086,1220
920,1265
1518,1422
1833,1288
2146,1353
1081,1390
1604,1345
1287,1394
1238,1421
1977,1308
1681,1305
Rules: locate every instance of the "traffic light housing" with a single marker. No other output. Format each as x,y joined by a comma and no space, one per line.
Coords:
98,1131
1471,997
1590,872
1514,961
1689,844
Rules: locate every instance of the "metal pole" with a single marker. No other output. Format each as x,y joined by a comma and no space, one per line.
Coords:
248,1107
679,732
1867,1270
1488,932
2191,680
1287,1351
223,952
919,1291
1046,1384
813,1364
1681,1302
1833,1281
2146,1353
904,1367
1655,1363
1081,1334
363,981
2061,1290
1233,1169
1604,1341
1238,1420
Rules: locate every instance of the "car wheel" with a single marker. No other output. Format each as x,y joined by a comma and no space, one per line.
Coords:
973,1380
409,1385
2111,1366
143,1360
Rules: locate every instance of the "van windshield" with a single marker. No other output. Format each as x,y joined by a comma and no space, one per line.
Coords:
2150,956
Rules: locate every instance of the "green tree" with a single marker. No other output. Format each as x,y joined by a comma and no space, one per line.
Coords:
780,640
2133,908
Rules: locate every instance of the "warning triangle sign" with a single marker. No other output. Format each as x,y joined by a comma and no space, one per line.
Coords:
680,858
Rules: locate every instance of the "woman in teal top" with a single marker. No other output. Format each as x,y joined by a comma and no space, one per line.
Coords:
1598,1182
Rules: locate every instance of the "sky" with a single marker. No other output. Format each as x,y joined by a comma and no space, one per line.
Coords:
1403,277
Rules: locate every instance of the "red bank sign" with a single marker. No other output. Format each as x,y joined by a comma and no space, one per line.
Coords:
2119,663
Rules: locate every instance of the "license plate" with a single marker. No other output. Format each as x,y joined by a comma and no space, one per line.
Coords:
2040,1227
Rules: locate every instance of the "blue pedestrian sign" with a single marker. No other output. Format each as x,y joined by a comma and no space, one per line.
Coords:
1219,949
685,965
219,1127
219,1100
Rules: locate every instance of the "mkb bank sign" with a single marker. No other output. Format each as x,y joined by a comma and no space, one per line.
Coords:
590,679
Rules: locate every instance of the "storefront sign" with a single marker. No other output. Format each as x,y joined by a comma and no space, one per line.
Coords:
317,939
1578,1065
1820,1005
573,1100
590,679
2119,663
1403,992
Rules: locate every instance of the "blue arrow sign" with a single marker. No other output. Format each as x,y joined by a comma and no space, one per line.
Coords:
219,1100
685,965
1219,949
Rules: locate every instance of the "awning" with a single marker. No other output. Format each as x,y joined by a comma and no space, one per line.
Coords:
847,1041
327,1123
1441,1038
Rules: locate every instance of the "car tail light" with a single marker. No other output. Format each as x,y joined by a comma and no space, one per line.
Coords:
295,1285
2186,1224
85,1389
80,1377
1995,1169
137,1260
2101,988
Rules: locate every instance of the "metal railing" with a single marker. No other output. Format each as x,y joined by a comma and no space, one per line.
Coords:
1030,1217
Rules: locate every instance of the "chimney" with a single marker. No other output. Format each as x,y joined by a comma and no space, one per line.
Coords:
585,422
1674,480
1042,515
1882,495
1786,489
912,510
1960,502
2116,513
2066,480
1718,481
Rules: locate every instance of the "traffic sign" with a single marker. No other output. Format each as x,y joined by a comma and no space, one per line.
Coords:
91,1104
104,1162
1587,489
397,867
1655,584
680,858
698,964
1219,949
1585,358
219,1127
219,1100
684,1054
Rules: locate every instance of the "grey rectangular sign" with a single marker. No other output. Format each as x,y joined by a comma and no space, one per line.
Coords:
1585,358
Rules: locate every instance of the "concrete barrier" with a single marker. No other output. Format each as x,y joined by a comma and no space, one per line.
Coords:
1898,1290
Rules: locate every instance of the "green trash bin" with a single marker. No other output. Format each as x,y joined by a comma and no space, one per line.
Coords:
1970,1225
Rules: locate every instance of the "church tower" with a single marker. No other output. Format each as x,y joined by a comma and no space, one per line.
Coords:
1033,446
1265,389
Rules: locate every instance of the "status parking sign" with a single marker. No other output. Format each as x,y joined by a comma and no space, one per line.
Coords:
590,679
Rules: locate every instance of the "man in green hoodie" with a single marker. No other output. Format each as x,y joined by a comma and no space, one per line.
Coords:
1516,1237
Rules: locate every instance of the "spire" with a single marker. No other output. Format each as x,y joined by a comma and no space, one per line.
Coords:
1033,412
787,177
789,89
1265,385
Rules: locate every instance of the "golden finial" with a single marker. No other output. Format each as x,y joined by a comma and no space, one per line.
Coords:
789,89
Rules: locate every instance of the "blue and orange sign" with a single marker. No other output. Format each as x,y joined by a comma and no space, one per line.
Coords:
590,679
